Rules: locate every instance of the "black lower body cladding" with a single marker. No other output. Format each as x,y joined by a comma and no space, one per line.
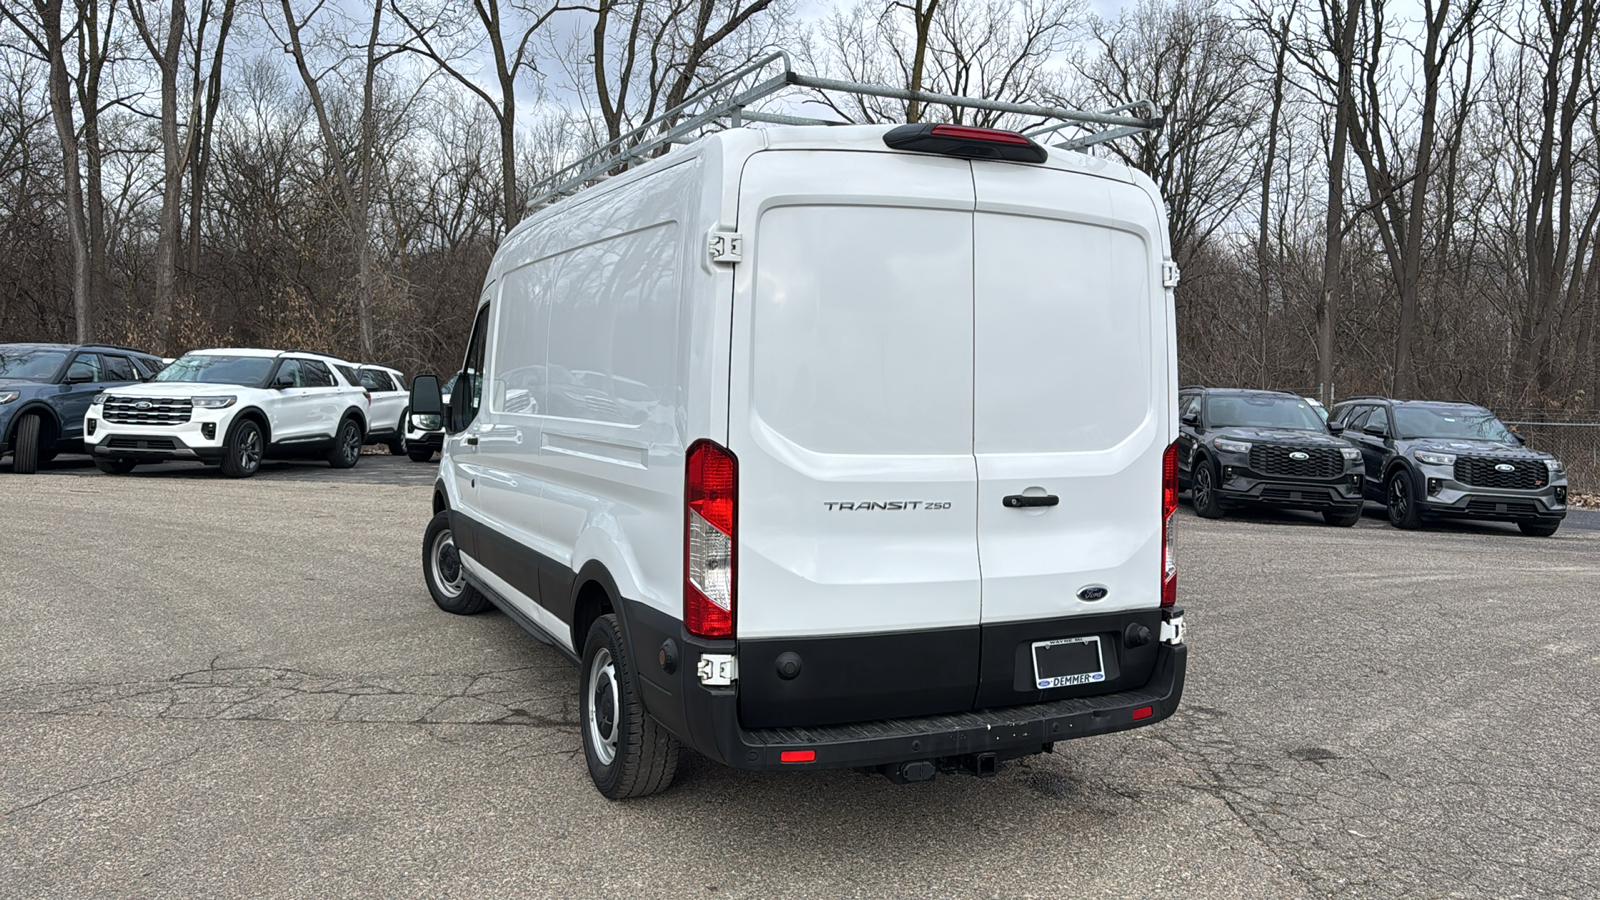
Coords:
877,725
1238,487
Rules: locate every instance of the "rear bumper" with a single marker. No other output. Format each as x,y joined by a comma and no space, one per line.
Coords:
713,727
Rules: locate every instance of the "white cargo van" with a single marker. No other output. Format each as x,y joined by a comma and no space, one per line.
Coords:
828,447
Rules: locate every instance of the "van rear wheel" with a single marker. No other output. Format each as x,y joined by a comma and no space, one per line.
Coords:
629,754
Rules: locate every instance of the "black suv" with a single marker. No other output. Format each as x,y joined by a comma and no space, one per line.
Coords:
45,391
1241,446
1433,459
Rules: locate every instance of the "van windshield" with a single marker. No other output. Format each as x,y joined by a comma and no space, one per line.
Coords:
1467,423
1261,411
212,369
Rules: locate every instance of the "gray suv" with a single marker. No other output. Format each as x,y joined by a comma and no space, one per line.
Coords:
1427,459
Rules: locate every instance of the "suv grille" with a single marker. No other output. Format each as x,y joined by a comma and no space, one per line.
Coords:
147,410
1479,471
1273,459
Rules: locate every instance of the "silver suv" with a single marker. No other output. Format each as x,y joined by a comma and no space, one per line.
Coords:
1427,459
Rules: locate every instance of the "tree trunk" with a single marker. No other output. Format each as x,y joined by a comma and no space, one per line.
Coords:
1265,266
1333,255
67,133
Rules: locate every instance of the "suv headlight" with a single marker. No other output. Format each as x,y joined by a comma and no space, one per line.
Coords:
1227,446
1435,459
97,399
427,423
1350,453
1556,466
212,402
8,396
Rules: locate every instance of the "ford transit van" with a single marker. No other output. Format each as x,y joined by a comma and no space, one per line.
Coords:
828,447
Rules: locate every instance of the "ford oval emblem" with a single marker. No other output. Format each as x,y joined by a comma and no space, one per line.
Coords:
1300,455
1093,592
1504,467
144,404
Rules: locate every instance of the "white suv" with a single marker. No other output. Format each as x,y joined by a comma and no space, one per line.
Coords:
231,408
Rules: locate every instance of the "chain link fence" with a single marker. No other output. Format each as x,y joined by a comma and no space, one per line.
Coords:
1574,438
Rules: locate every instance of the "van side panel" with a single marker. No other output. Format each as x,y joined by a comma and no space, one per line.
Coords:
583,432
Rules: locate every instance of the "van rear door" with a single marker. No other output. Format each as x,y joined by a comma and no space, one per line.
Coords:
851,418
1070,423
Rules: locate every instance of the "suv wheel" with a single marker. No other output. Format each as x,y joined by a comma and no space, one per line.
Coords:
346,450
1401,495
1206,503
116,466
419,453
441,568
629,754
397,444
1537,528
242,451
25,452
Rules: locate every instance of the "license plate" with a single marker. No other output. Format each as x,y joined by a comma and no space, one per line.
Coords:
1067,662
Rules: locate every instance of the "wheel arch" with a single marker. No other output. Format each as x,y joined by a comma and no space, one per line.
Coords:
355,412
51,424
595,594
256,415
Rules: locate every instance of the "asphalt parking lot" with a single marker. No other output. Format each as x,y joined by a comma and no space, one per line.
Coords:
240,688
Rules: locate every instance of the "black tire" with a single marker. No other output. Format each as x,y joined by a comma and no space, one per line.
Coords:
346,449
441,569
397,444
25,446
244,449
1207,505
1536,528
419,454
114,466
1400,493
1342,518
629,753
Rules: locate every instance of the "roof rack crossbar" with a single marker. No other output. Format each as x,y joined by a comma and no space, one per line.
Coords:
679,125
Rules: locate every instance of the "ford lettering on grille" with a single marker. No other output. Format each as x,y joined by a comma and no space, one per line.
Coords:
1505,467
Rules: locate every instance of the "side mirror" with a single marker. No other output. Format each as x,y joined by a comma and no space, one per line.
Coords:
79,376
1336,428
1376,430
282,381
1192,420
426,398
1519,439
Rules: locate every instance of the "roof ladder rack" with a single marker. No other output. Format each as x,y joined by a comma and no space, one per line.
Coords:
725,104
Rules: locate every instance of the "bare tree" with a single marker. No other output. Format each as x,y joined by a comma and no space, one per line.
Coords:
442,35
47,32
1197,66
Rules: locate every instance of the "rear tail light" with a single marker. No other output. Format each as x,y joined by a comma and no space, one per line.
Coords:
710,516
1169,508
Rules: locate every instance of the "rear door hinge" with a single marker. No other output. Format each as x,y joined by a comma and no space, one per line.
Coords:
1169,274
718,669
726,247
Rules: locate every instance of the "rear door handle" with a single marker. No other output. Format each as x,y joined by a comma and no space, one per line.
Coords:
1019,501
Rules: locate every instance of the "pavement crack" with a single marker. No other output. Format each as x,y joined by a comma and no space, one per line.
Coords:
65,792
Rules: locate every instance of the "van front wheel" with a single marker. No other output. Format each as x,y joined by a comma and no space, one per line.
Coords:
629,754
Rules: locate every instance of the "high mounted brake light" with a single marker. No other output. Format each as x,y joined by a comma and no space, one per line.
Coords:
966,142
710,519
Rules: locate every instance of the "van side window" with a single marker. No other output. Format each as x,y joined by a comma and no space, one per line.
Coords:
469,390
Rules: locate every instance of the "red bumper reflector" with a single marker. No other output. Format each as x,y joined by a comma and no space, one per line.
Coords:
798,756
1143,712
